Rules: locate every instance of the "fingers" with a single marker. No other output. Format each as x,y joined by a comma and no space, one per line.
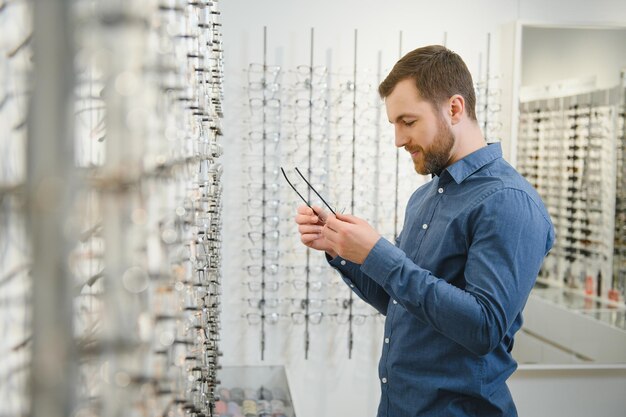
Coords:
308,238
321,213
330,235
348,218
332,224
316,241
306,215
306,210
302,219
310,229
338,227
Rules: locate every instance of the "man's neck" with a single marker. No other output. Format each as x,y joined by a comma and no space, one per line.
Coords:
469,139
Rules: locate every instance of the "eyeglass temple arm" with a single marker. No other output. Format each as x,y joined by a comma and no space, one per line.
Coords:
294,188
315,191
310,186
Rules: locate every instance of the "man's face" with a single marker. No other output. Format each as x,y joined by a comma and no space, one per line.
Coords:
419,129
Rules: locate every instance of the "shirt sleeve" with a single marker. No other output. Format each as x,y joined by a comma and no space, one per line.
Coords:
363,286
508,238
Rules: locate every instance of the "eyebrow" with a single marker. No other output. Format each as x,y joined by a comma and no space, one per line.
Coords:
403,115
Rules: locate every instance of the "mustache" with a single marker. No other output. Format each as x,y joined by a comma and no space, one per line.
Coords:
416,149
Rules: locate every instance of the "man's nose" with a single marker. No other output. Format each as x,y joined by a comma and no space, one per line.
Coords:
401,138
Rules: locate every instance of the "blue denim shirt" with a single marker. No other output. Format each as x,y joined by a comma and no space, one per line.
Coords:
453,289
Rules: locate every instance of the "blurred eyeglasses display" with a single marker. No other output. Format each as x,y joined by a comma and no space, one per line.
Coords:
571,149
144,227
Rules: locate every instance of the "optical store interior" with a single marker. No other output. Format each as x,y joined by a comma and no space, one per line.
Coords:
150,263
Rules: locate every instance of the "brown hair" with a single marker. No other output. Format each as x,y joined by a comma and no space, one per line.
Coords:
439,74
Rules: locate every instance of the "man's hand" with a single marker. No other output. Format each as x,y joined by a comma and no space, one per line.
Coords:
350,237
310,227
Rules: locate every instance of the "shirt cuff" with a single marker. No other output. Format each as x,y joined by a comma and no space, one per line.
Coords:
345,269
341,264
382,259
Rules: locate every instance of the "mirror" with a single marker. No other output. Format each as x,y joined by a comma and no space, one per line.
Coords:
570,144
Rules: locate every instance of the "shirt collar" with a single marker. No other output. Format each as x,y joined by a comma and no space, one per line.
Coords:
465,167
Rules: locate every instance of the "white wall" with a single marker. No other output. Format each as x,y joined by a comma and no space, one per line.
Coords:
328,383
555,54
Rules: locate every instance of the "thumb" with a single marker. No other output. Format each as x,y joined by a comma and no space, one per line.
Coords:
320,213
348,218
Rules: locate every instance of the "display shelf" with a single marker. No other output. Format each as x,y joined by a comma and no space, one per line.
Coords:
578,301
252,391
584,329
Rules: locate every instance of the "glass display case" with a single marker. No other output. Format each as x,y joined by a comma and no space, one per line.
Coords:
563,326
606,311
252,391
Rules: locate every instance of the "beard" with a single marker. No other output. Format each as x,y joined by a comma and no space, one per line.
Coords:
435,159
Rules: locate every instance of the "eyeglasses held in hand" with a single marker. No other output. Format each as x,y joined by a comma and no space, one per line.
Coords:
310,186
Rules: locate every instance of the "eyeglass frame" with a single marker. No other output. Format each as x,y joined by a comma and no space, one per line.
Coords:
310,186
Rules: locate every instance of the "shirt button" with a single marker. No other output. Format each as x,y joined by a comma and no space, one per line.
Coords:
384,380
342,262
351,285
440,190
395,302
387,340
424,226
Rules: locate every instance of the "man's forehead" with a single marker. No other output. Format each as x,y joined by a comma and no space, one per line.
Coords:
404,102
406,88
404,96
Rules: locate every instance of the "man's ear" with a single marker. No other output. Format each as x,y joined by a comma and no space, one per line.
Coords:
456,108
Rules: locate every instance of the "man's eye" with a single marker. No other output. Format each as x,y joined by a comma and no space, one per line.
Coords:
409,122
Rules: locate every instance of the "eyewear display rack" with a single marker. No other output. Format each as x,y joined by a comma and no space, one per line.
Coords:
310,119
488,105
110,207
571,150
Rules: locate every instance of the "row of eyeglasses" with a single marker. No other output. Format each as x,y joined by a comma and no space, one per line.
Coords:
619,256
